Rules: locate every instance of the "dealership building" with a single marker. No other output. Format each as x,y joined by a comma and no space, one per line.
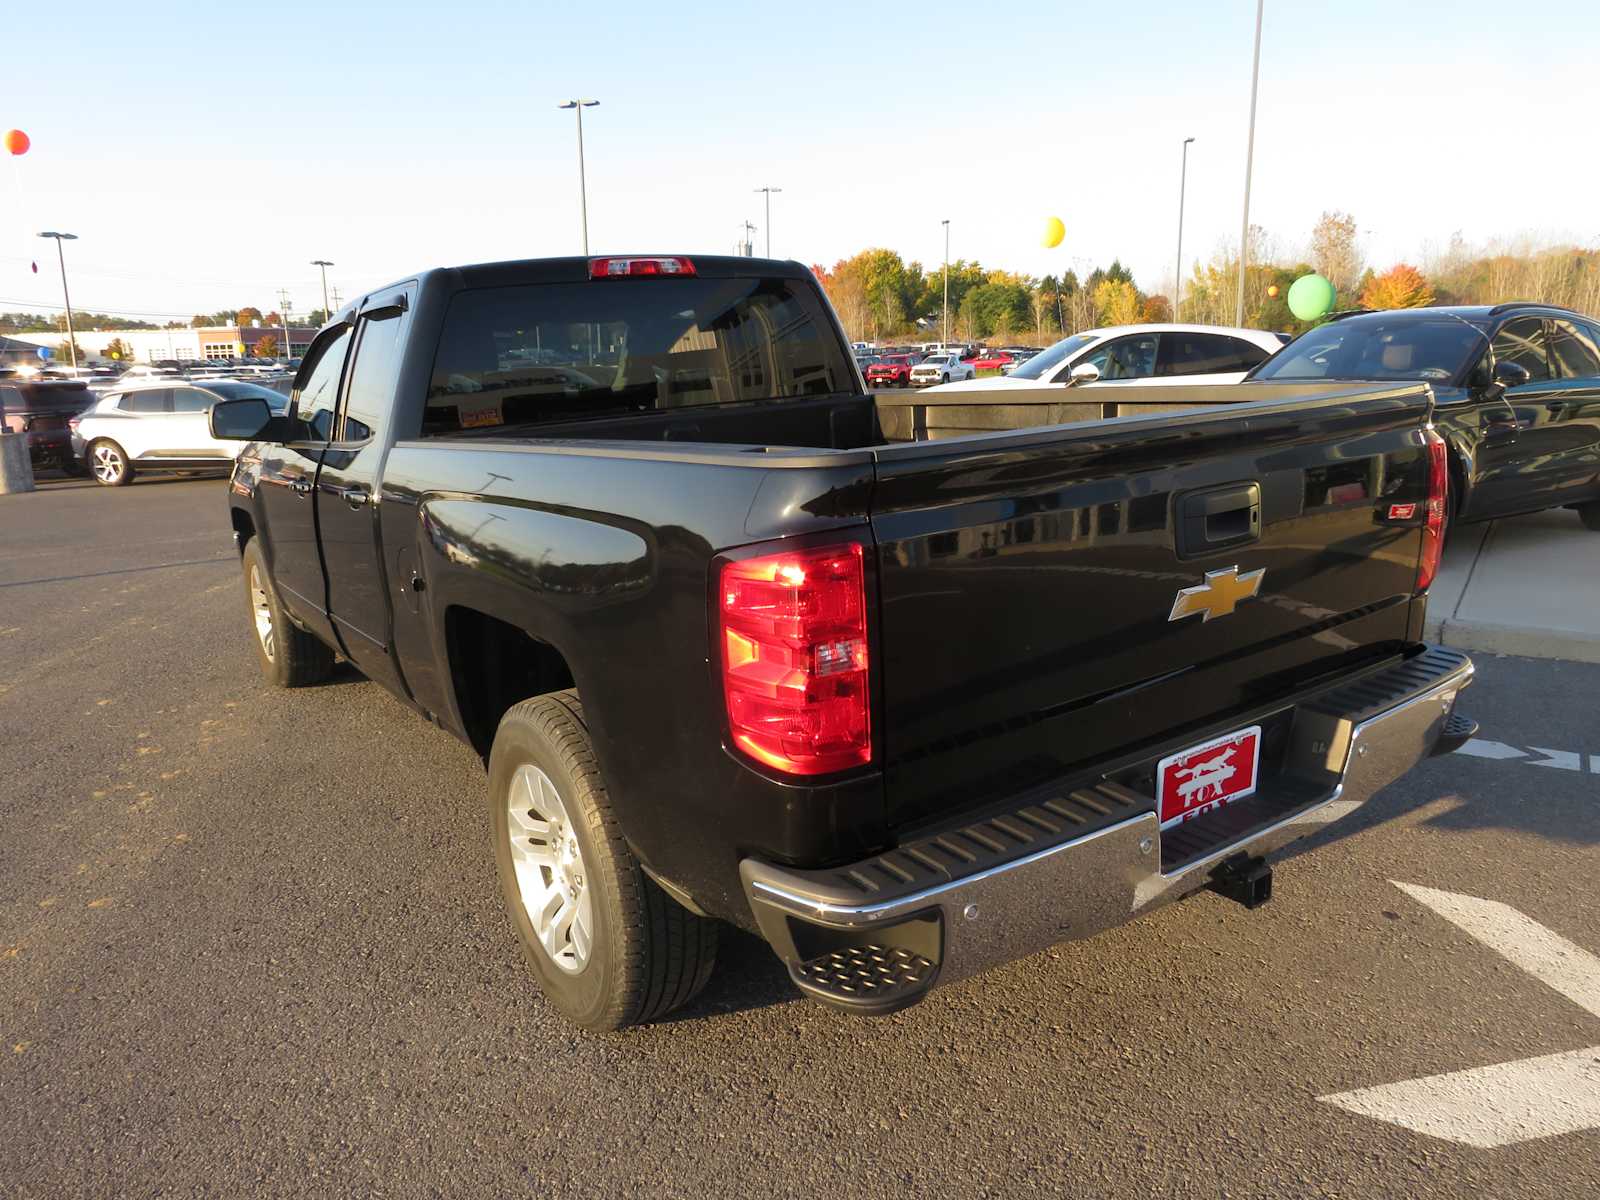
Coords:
153,345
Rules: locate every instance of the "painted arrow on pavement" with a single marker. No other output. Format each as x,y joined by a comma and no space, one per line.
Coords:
1509,1102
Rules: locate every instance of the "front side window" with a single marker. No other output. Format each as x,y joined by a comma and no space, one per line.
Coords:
317,397
1576,349
1124,358
537,353
1522,341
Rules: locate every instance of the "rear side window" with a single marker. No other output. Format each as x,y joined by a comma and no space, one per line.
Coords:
1205,354
191,400
1574,348
148,400
519,356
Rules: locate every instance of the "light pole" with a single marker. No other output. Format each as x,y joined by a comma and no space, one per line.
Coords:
327,313
72,337
768,193
1177,277
1249,160
578,106
946,225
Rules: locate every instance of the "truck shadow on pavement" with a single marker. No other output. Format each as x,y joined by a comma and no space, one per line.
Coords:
748,977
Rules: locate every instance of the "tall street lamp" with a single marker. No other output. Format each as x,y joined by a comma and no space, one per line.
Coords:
768,193
1177,277
1249,160
72,337
578,106
946,225
327,313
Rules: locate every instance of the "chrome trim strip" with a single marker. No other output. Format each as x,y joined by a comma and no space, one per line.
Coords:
1108,877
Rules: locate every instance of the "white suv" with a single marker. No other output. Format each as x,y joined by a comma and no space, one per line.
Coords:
941,368
163,426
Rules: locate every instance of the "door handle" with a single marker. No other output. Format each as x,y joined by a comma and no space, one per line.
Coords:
354,496
1217,518
301,488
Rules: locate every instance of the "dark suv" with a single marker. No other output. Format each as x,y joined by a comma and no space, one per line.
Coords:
42,409
1518,388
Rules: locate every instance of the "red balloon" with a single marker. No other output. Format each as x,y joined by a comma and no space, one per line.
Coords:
16,142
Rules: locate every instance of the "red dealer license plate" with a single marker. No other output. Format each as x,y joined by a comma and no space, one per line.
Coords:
1208,776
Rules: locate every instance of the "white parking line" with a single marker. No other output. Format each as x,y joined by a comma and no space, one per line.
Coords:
1491,1106
1509,1102
1561,760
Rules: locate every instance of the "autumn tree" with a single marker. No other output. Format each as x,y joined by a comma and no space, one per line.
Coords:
118,350
1401,286
1117,302
248,314
1336,252
267,347
1156,308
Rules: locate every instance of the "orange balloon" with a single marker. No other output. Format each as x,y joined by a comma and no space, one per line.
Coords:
1272,292
16,142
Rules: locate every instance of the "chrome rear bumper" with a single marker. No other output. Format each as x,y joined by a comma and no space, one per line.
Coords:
887,929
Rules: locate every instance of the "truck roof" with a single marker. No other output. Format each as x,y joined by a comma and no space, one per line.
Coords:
575,269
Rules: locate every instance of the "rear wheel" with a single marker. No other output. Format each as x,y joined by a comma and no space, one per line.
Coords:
109,463
1589,514
608,946
289,656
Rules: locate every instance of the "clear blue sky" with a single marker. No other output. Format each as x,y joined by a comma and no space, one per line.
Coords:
429,134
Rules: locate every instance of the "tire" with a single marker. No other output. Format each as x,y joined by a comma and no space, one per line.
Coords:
642,954
1589,514
289,656
945,378
108,463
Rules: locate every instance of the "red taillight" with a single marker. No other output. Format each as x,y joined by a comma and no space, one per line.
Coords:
616,268
794,658
1438,497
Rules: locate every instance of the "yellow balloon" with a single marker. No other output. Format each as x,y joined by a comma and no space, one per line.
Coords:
1054,231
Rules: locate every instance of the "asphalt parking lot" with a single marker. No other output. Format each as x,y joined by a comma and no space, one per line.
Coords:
251,941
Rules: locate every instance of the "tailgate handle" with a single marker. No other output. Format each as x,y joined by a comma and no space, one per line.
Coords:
1217,518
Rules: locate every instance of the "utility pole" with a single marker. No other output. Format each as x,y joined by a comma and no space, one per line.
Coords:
583,187
768,192
946,225
283,312
1249,161
336,301
327,313
72,337
1177,276
747,247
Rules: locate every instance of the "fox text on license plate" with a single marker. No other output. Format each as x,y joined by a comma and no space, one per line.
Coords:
1208,776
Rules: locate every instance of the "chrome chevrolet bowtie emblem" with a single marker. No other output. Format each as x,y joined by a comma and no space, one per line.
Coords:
1218,596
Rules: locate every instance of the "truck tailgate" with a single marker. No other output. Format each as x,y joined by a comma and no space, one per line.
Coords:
1030,583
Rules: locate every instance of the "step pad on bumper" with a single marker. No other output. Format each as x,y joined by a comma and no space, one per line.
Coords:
871,977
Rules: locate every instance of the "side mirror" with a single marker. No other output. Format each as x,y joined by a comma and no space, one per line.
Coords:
1084,373
240,420
1510,374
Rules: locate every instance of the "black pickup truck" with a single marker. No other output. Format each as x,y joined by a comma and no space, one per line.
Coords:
736,647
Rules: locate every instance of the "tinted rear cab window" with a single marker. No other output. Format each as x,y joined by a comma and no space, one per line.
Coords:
55,397
524,355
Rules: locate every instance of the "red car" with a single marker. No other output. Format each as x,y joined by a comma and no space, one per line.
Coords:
893,371
992,360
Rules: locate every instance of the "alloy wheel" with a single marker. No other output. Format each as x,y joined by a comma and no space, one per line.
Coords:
108,463
551,876
261,610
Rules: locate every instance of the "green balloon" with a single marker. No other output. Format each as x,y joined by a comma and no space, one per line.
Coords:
1310,297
